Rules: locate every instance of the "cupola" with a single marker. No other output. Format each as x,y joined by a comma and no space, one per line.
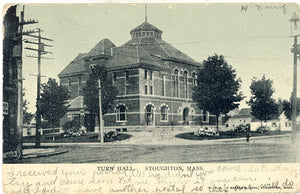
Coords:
145,30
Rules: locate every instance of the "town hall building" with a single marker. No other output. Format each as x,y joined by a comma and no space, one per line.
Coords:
154,81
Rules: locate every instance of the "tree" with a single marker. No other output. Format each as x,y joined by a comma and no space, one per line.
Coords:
286,107
26,115
263,106
217,89
91,95
53,101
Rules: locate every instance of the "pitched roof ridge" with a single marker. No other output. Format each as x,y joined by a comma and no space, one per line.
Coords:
161,47
69,103
150,56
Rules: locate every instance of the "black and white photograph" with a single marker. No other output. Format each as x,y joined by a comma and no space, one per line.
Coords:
150,97
150,83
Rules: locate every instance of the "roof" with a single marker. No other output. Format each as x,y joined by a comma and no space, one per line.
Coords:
76,103
243,113
77,65
257,120
158,48
145,27
145,51
102,48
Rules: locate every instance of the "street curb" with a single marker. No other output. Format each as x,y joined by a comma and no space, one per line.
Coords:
55,152
187,141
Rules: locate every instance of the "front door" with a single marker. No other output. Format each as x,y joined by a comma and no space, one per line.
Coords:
185,116
149,115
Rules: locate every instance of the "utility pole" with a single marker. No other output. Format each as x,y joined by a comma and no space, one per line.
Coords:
295,49
40,51
101,133
19,64
93,71
294,93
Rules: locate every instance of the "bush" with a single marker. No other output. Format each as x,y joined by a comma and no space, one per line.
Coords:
205,132
110,134
242,128
263,129
72,128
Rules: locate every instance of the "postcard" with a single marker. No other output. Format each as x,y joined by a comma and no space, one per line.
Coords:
150,98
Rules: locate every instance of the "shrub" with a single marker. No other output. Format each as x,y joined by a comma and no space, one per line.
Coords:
110,134
206,132
263,129
242,128
72,128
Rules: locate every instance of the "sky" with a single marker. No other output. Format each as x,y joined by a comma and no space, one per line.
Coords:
255,39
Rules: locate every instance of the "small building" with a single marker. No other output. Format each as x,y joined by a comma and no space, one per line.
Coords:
285,123
273,124
241,117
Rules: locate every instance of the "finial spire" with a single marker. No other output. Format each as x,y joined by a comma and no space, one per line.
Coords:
145,12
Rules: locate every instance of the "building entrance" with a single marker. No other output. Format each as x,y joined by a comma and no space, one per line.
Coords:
185,116
149,115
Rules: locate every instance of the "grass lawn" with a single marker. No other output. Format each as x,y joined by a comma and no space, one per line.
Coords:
228,135
88,137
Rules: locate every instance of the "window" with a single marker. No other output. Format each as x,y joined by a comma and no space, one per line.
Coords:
205,116
121,113
151,90
144,33
151,74
151,33
163,85
79,80
114,77
194,79
146,89
126,77
164,113
176,85
147,33
146,74
185,80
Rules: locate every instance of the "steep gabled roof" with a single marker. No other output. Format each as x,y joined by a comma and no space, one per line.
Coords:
76,103
102,48
75,67
243,113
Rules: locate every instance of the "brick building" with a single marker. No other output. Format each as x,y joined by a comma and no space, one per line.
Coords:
154,82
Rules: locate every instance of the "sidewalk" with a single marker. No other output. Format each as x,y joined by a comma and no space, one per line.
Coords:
165,138
40,152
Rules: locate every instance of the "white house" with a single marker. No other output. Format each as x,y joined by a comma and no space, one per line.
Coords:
285,123
244,117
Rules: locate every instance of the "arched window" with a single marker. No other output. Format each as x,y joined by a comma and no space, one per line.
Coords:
176,82
164,113
194,79
121,113
185,80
